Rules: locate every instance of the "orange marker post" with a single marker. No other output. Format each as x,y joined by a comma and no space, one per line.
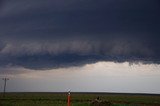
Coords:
69,99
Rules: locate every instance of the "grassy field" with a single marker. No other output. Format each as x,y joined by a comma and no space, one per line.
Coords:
77,99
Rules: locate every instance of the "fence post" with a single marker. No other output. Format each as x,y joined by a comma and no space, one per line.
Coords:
69,98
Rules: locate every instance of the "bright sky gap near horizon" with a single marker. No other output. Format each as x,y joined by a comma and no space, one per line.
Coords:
81,45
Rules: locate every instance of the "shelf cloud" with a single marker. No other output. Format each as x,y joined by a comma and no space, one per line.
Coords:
49,34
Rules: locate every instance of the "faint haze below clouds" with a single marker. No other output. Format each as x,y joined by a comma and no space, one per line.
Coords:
49,34
98,77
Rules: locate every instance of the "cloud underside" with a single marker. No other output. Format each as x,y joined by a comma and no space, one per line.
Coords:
41,56
43,35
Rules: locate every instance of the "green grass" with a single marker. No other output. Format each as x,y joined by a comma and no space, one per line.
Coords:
78,99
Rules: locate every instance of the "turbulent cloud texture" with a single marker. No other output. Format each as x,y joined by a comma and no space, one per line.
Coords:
40,34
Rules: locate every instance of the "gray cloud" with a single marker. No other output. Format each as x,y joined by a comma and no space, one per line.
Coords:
50,34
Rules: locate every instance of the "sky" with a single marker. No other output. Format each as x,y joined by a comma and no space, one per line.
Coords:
80,45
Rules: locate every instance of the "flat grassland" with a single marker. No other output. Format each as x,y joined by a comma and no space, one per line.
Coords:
77,99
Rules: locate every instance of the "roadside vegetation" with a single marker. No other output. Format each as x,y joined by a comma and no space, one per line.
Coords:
78,99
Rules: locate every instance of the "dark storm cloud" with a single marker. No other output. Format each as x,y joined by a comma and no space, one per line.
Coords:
42,34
